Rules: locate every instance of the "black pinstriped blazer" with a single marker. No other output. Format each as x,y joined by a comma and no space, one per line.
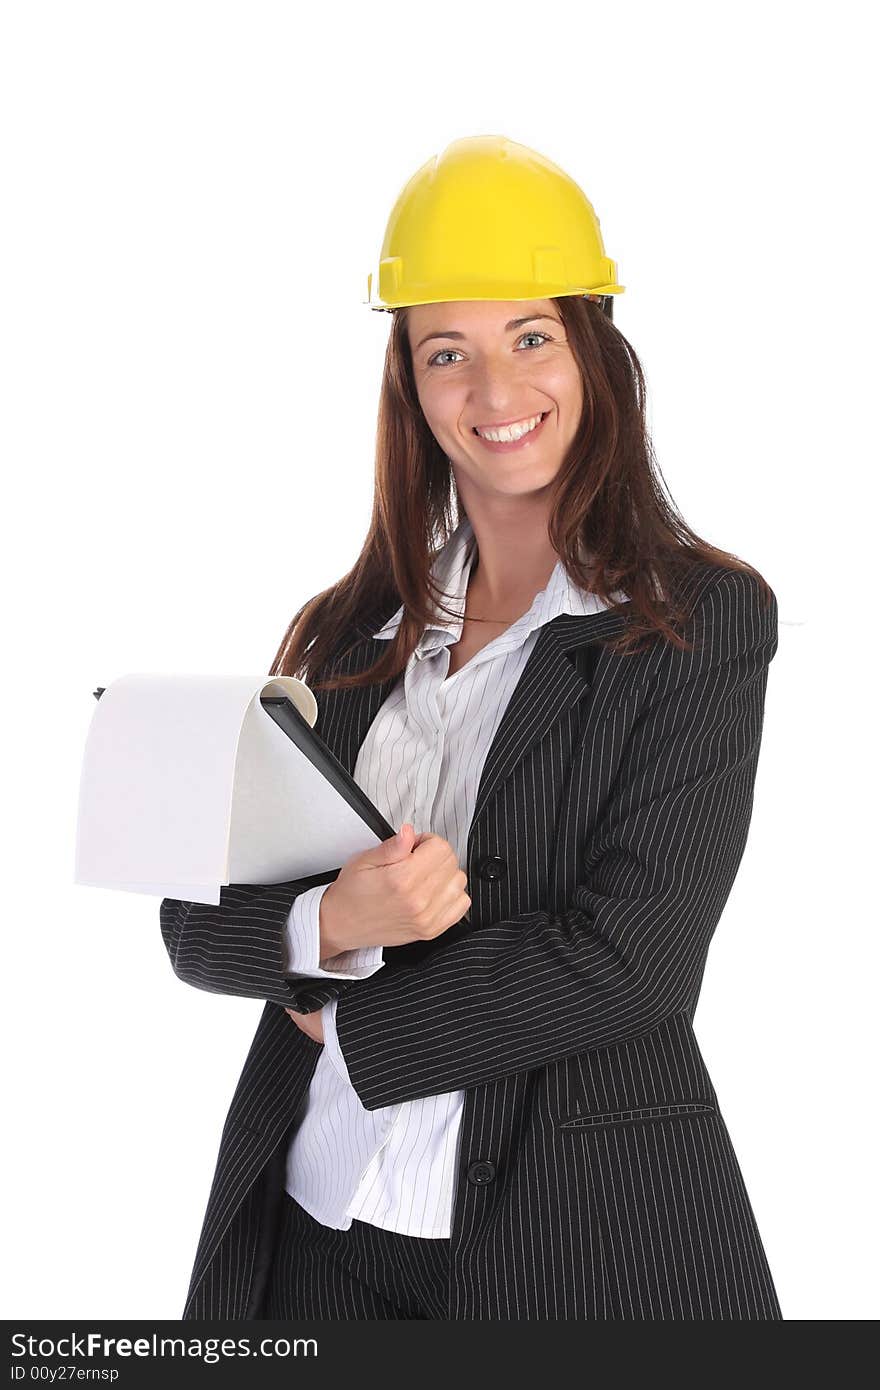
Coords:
596,1178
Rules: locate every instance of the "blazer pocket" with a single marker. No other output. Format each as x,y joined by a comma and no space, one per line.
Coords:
643,1114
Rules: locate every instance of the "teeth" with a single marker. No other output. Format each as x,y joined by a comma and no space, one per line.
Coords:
508,433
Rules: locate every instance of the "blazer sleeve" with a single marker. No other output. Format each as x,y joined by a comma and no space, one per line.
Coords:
241,945
628,950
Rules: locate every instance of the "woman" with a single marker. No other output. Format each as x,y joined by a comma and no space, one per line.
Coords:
475,1091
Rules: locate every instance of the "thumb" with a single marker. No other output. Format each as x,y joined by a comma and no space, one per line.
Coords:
399,846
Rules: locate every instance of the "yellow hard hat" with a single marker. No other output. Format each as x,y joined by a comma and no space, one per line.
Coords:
490,219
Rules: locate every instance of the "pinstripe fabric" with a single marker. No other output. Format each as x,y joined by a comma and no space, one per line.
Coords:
597,1178
420,761
364,1272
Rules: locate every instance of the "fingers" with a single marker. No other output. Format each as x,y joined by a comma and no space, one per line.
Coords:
433,852
449,903
449,886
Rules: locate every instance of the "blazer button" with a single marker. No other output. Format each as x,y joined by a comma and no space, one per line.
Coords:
481,1173
491,867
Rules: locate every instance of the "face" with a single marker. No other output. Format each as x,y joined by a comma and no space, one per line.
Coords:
497,363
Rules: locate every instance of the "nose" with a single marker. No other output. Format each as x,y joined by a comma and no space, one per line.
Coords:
498,392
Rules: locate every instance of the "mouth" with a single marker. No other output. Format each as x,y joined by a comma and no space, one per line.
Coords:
506,444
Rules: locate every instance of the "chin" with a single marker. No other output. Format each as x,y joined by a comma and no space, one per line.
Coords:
526,485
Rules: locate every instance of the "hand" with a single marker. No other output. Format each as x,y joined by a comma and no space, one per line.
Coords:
408,888
312,1024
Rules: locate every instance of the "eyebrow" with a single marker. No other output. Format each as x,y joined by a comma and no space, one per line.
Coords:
508,328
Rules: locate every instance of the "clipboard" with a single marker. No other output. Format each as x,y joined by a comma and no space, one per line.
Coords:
288,718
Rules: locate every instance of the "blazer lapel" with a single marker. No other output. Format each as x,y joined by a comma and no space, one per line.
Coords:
550,684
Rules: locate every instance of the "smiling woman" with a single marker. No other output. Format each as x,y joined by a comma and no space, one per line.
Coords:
476,1091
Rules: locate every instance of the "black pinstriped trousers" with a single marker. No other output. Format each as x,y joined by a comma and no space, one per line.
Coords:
363,1273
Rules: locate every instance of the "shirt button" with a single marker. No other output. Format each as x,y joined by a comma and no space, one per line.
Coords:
481,1172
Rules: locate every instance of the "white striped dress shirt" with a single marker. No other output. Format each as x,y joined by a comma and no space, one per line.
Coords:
420,762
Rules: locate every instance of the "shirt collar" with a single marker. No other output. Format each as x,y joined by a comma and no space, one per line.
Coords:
451,569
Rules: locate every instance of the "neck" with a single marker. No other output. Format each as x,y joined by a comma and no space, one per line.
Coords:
514,561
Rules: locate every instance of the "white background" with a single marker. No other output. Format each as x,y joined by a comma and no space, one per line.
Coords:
193,196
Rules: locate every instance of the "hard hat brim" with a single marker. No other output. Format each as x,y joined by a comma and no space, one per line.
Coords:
497,292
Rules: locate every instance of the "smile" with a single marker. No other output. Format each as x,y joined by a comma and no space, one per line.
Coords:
509,436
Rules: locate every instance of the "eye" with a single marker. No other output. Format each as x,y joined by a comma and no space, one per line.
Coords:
532,333
535,333
444,352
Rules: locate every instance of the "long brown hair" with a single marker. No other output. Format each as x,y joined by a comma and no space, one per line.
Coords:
611,524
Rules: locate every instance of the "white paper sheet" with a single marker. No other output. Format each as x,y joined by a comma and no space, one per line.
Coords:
188,784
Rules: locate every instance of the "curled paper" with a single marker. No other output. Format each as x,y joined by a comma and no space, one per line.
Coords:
188,783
